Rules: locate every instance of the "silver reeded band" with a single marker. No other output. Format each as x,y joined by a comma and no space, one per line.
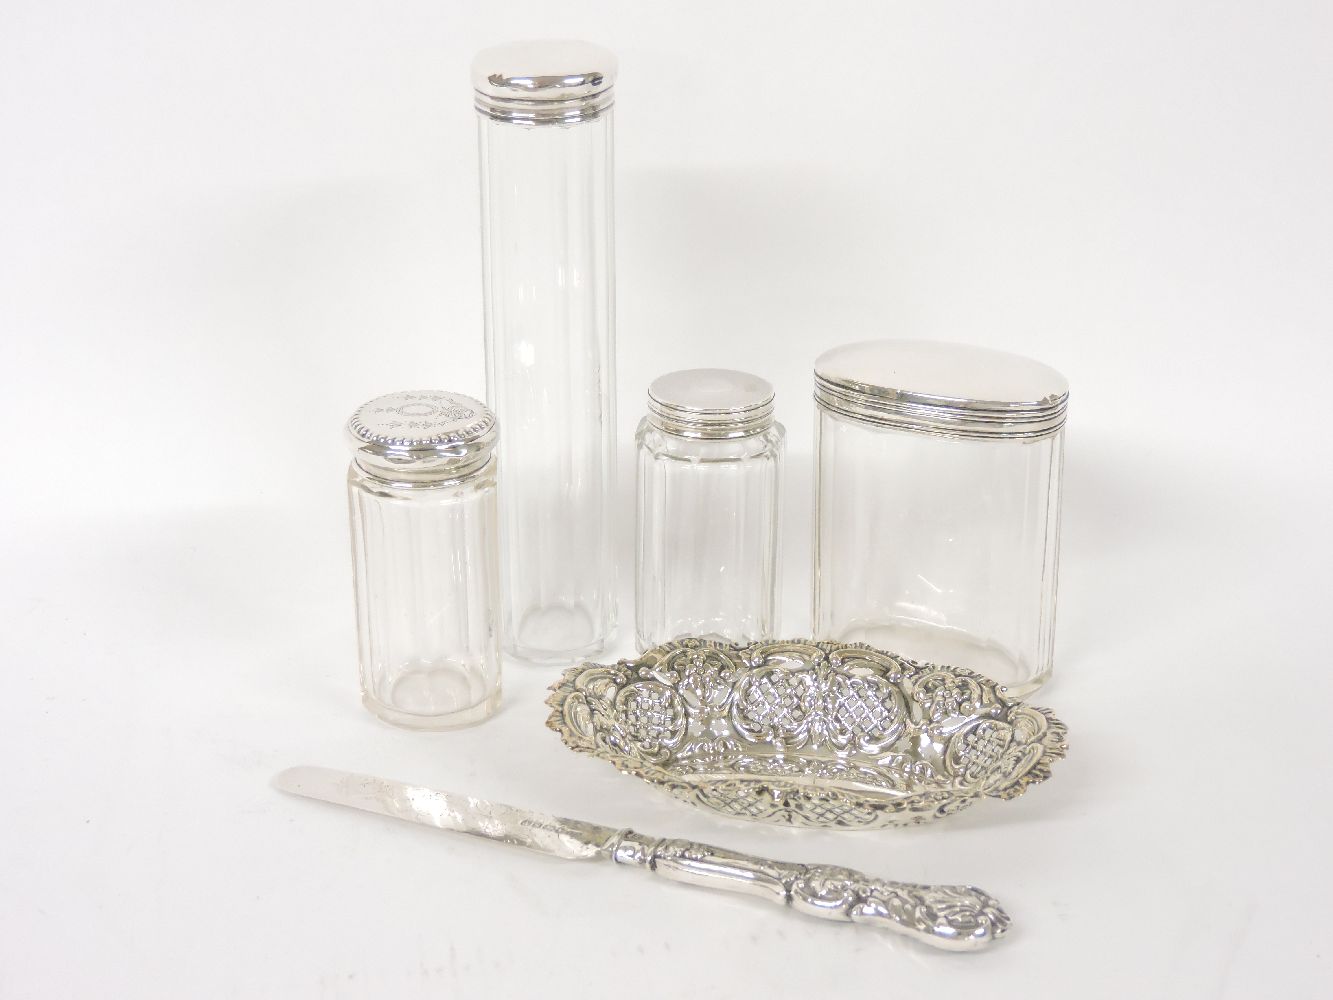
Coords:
943,417
523,111
716,424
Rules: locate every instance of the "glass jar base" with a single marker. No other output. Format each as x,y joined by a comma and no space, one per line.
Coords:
422,701
564,657
644,643
556,633
952,646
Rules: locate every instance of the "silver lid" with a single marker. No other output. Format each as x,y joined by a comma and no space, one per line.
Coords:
941,388
544,83
710,403
422,437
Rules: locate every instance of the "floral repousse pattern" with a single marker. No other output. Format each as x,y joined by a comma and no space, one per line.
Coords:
959,916
807,733
955,917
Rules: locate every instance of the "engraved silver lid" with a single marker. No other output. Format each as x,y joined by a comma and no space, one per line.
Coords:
422,437
710,403
933,387
544,83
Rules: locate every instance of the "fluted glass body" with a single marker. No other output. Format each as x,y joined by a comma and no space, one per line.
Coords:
550,353
940,548
427,597
708,537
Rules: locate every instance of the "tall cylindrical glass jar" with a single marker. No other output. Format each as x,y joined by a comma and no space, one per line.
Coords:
937,504
547,259
421,493
709,488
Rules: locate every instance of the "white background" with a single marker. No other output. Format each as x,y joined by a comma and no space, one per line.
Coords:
224,226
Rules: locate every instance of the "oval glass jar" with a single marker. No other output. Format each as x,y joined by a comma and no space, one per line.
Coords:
421,495
709,480
937,504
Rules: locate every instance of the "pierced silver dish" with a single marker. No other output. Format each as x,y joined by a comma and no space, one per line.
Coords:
805,733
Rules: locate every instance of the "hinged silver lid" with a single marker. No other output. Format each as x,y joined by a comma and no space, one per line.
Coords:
711,403
422,437
544,83
941,388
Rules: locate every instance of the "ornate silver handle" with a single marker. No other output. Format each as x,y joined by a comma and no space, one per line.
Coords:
956,917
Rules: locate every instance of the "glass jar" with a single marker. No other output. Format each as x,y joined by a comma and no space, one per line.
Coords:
421,494
937,504
548,267
709,483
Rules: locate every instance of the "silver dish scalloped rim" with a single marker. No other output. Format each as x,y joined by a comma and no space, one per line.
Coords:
807,733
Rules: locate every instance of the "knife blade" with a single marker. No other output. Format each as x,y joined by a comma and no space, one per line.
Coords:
953,917
568,839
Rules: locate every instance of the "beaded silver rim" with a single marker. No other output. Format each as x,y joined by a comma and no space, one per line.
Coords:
422,437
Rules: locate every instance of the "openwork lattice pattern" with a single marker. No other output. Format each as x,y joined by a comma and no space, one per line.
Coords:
807,733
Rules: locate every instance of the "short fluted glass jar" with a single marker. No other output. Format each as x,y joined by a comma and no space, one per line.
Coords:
937,504
421,494
709,486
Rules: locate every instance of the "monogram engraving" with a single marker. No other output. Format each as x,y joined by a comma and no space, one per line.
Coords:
422,419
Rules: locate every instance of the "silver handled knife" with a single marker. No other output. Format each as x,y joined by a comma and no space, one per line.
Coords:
956,917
